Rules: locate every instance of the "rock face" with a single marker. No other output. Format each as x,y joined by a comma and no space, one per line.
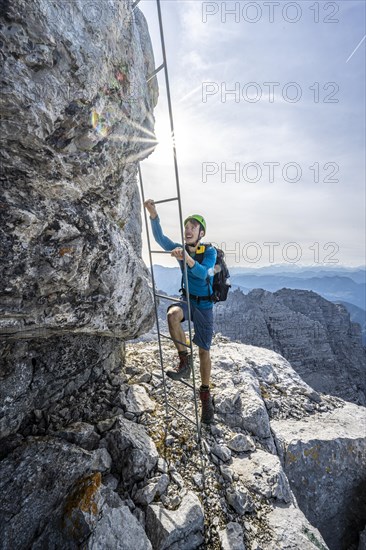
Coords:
61,507
41,374
133,453
77,116
177,530
33,486
105,483
316,453
247,497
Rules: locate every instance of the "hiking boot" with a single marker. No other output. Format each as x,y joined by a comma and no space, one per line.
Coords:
207,414
183,370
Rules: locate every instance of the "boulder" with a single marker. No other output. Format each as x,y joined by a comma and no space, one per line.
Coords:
239,403
262,473
36,481
324,456
232,538
240,443
93,517
180,529
289,528
135,400
239,499
155,488
81,434
133,453
118,529
221,451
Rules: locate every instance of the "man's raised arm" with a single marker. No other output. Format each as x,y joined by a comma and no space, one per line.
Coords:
161,239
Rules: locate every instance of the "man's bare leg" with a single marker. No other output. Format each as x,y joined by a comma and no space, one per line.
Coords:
205,366
207,414
175,316
183,370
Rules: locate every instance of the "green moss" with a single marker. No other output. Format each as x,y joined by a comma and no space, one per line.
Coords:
264,392
312,452
312,538
291,457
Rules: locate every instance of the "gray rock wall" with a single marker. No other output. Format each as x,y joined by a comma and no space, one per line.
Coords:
77,116
41,374
324,457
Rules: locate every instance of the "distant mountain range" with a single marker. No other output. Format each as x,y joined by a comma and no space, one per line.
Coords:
342,285
332,287
357,274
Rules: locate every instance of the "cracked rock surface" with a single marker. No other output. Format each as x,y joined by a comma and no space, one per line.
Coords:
77,116
144,471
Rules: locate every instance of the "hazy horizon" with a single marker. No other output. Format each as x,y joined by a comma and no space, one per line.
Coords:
285,266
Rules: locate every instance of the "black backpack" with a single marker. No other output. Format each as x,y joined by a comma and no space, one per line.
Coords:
221,282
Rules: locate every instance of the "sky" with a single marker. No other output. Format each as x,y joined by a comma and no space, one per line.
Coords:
269,114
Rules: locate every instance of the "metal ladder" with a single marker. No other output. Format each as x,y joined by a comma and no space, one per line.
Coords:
168,405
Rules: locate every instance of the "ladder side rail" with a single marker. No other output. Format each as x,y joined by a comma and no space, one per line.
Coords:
154,294
179,204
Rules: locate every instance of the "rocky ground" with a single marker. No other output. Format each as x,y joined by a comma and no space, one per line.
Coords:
231,510
110,467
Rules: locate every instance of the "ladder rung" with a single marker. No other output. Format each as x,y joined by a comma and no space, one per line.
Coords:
187,384
169,338
161,251
182,414
166,200
155,72
166,297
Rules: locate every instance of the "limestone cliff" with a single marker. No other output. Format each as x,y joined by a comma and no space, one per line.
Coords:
77,115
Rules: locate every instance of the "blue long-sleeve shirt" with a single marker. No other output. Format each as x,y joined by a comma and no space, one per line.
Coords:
197,274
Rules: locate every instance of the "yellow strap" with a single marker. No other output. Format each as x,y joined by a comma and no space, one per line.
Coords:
200,249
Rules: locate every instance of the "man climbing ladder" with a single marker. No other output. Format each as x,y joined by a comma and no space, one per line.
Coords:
200,278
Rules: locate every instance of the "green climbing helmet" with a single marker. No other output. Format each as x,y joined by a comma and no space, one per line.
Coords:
198,218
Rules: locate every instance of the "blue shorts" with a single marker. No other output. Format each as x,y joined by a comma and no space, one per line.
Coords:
202,322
